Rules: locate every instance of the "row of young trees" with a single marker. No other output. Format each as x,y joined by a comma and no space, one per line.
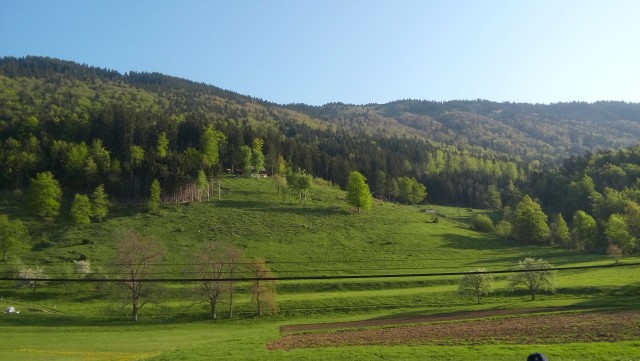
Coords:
215,269
534,274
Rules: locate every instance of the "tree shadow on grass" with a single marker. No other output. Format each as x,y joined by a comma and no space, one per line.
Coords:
293,208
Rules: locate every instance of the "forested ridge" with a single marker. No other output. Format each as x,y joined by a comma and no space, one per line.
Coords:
92,126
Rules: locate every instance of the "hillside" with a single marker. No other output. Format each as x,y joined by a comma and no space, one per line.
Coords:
52,111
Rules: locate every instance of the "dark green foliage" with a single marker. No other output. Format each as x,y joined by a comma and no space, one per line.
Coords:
13,235
584,231
482,223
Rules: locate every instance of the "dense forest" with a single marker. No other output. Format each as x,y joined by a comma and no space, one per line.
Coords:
90,126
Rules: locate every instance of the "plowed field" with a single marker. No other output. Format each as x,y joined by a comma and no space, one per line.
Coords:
524,329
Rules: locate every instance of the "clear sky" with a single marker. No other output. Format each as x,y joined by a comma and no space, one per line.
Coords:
367,51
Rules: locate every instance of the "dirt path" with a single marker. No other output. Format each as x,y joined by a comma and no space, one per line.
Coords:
414,319
534,328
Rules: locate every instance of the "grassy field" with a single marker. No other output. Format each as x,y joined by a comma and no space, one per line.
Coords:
322,238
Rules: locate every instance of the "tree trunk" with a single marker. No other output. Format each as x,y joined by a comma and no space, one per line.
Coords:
231,299
134,309
213,302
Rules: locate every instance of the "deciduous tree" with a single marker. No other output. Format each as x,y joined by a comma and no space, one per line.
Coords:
45,195
476,283
530,222
13,234
99,203
584,231
154,198
81,209
136,259
358,194
535,275
263,288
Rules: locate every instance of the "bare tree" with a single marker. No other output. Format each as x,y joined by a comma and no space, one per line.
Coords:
235,257
135,257
210,268
263,289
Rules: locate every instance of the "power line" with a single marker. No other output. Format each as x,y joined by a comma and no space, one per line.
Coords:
307,278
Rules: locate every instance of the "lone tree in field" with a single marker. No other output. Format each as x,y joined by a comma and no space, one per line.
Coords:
263,289
476,283
44,195
535,275
358,194
136,258
214,263
12,235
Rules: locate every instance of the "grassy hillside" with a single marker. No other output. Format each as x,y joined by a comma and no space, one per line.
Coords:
321,238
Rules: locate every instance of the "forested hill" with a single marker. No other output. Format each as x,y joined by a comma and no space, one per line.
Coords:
89,125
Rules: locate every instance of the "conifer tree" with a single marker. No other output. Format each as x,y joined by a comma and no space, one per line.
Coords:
99,203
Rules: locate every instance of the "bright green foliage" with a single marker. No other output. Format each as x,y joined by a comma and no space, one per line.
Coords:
154,196
257,157
12,235
81,209
617,232
99,203
245,160
482,223
535,275
209,143
300,182
475,283
45,195
358,194
410,191
584,231
202,184
560,235
136,156
503,229
162,146
530,222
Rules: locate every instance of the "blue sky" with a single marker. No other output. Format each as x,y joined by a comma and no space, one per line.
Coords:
360,52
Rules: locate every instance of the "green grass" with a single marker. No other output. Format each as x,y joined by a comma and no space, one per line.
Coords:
322,238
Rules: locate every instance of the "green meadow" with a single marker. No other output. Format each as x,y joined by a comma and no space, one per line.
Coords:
402,248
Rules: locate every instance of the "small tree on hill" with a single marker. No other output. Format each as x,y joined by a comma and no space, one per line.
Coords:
154,199
44,195
136,258
476,283
263,289
13,234
482,223
81,209
530,222
584,231
358,194
99,203
535,275
211,268
560,235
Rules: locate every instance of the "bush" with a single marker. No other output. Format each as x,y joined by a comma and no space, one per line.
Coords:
482,223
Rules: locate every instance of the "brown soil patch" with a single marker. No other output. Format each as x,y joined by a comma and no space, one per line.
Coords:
544,328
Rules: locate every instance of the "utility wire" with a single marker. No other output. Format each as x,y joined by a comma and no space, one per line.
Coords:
306,278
